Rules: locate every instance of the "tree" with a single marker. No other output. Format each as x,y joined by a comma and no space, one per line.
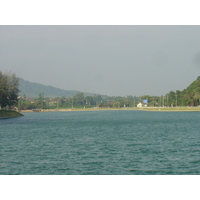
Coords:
13,89
197,95
78,99
3,91
9,89
40,103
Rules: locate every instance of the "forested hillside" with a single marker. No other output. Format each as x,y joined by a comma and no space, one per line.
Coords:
188,97
191,95
32,90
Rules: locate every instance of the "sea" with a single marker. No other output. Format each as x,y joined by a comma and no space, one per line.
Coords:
117,142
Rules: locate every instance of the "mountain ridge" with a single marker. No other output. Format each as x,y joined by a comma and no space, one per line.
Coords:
32,90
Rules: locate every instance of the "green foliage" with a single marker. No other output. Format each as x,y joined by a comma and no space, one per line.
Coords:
191,95
188,97
9,90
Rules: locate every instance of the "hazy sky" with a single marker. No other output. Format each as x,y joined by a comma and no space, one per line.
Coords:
111,60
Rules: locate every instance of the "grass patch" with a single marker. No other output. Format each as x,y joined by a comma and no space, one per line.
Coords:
5,114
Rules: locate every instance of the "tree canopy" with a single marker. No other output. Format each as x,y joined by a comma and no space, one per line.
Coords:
9,89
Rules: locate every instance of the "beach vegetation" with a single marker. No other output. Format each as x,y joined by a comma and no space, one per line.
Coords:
9,89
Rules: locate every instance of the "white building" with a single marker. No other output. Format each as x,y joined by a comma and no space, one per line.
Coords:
139,105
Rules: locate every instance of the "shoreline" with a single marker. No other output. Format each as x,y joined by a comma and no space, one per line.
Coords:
11,117
155,109
4,114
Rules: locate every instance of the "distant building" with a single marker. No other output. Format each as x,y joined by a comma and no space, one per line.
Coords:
139,105
144,104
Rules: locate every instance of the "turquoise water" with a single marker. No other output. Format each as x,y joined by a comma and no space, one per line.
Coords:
101,142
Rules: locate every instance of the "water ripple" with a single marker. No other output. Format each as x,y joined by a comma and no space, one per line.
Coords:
108,142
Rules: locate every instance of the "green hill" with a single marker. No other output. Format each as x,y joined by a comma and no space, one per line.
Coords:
191,95
187,97
32,90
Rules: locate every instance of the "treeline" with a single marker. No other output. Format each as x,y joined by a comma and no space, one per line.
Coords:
188,97
77,101
9,89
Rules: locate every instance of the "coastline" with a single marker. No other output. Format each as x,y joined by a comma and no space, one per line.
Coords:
10,117
9,114
156,109
12,114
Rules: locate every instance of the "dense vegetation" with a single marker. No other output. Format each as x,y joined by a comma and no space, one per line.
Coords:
77,101
188,97
8,90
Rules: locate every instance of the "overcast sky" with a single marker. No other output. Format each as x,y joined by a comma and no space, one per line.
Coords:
111,60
